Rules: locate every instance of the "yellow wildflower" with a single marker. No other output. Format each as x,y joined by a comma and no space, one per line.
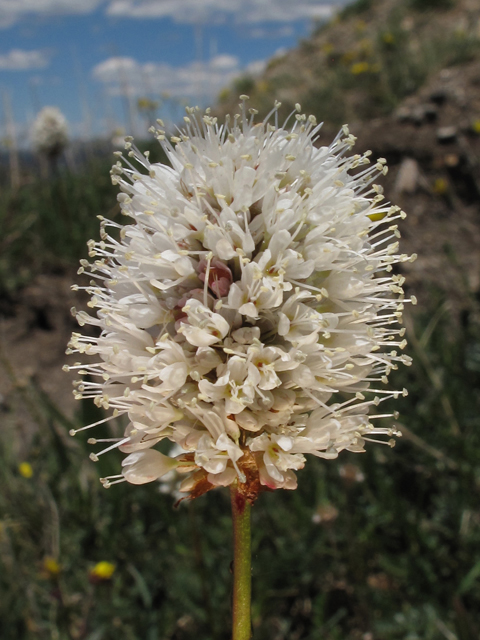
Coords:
25,469
440,186
103,570
359,67
349,56
51,566
262,86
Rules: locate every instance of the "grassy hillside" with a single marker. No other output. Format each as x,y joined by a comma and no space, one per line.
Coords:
366,60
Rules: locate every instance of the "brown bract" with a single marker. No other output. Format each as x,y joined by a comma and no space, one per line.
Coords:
250,489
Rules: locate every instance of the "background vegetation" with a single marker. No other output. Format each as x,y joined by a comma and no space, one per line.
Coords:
366,61
383,546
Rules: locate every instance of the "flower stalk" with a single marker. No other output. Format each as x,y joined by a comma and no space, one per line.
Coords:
242,561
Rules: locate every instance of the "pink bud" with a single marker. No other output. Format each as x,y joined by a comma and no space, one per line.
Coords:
219,277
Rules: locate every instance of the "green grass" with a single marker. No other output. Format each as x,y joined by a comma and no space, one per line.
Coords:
356,8
46,223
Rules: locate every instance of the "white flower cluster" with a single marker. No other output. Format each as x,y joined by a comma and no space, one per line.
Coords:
248,312
49,131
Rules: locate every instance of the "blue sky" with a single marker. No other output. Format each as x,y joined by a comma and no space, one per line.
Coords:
95,58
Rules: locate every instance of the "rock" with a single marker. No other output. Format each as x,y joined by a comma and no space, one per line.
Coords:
451,160
407,177
439,97
446,135
402,114
418,115
430,112
424,112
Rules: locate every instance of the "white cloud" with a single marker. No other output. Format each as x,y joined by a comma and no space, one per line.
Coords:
20,60
179,10
225,62
206,11
198,81
242,11
256,67
279,53
263,33
12,10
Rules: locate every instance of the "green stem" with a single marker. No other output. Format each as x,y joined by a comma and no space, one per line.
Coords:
242,571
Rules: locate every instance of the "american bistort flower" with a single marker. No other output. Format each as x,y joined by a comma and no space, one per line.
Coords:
248,310
50,132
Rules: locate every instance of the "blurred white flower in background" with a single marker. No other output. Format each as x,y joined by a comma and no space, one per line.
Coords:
118,138
247,310
50,132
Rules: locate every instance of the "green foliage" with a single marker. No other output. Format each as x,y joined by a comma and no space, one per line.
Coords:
46,223
381,68
326,99
244,84
460,47
356,8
